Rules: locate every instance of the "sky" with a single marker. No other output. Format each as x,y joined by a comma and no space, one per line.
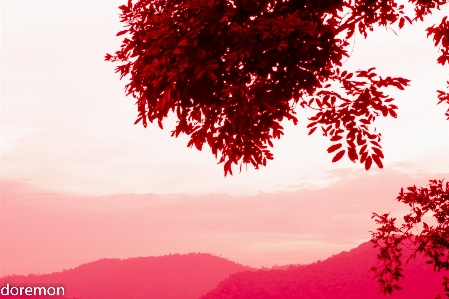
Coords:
80,182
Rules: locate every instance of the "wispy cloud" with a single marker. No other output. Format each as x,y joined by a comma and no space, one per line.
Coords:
282,227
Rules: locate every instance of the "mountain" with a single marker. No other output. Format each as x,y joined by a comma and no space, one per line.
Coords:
204,276
343,276
166,277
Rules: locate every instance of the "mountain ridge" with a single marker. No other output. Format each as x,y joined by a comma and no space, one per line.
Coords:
166,277
345,275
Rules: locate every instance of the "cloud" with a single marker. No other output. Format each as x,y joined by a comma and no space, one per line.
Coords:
59,230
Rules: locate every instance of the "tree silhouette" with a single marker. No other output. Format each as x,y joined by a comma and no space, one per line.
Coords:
231,71
432,242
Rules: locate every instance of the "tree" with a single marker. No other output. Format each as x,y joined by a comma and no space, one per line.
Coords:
232,70
432,242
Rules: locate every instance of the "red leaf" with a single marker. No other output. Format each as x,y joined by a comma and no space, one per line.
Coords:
122,32
368,163
311,131
198,144
365,121
392,113
124,8
378,161
401,23
363,157
360,141
352,154
378,152
200,73
336,138
211,75
227,167
213,66
338,156
334,147
183,42
137,121
375,143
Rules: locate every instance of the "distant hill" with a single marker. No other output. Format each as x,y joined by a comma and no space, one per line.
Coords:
203,276
167,277
343,276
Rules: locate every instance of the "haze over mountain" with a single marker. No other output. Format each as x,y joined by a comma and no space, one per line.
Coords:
204,276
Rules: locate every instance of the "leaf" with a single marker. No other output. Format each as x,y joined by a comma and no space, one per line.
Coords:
338,156
336,138
378,152
368,163
392,113
198,144
213,66
137,120
200,73
311,131
122,32
227,167
363,149
360,140
352,154
378,161
183,42
364,121
334,147
176,51
124,8
211,75
401,23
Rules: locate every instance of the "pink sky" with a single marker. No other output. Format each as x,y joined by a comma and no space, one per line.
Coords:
80,182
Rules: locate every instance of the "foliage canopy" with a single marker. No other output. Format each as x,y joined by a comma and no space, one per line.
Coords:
233,70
